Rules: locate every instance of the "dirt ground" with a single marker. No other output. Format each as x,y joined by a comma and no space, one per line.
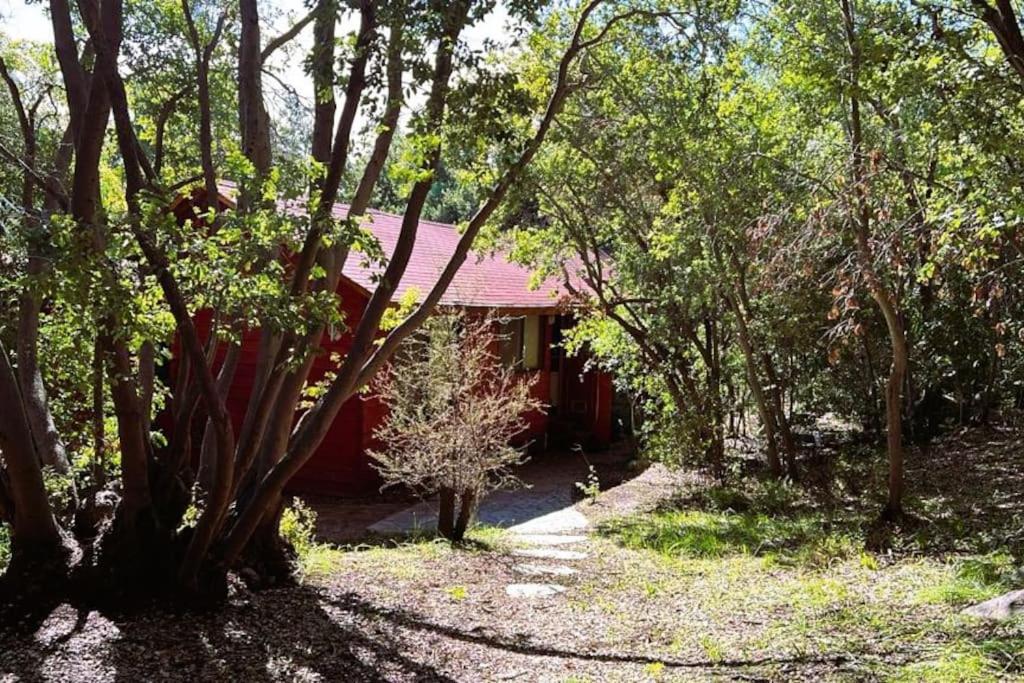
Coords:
422,611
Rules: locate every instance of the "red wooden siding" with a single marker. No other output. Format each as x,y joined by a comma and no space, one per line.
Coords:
341,465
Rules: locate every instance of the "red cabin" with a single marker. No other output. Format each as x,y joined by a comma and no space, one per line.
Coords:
579,400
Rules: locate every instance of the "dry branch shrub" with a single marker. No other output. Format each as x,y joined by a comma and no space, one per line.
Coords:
453,413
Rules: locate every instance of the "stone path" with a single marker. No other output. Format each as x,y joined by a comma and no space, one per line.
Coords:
541,521
541,540
537,510
549,533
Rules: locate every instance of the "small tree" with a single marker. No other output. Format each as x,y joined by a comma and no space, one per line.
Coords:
454,410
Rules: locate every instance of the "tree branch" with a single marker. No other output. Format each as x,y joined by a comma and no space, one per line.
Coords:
43,182
280,40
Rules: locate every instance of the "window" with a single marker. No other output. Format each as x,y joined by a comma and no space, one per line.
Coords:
519,343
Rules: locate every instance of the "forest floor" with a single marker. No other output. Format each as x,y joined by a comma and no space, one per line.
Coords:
678,580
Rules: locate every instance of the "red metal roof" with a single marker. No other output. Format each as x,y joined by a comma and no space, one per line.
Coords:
485,280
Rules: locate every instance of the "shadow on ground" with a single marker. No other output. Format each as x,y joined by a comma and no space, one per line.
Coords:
286,634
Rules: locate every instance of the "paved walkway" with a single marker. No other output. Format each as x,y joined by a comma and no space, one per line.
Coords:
535,510
549,534
545,506
548,531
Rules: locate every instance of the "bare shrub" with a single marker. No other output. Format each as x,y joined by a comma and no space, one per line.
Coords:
454,411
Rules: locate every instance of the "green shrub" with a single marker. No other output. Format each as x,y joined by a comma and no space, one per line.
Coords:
298,527
5,546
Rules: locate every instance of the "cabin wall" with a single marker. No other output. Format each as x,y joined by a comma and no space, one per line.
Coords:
341,466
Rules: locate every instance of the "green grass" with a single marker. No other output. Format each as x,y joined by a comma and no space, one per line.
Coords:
950,664
973,580
5,547
772,573
804,539
404,558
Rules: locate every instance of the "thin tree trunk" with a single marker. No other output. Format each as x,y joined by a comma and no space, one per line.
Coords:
879,292
446,513
207,453
252,113
132,439
99,472
777,408
203,54
1002,21
785,430
467,508
756,390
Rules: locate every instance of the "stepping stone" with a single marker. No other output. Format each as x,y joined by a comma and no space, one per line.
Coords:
548,539
533,590
1001,608
566,519
550,554
541,570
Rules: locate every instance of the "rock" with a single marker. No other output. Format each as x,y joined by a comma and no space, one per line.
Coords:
1004,607
550,554
547,539
533,590
540,570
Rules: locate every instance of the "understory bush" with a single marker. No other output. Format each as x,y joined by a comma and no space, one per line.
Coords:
455,411
298,527
5,547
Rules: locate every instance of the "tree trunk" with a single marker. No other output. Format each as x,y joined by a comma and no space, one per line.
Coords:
51,450
99,473
788,442
269,559
879,291
36,535
764,411
1002,21
133,440
467,508
894,424
446,513
252,112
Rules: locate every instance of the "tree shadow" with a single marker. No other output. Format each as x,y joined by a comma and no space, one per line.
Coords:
521,645
299,633
286,634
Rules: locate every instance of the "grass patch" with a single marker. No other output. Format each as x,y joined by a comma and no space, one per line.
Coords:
804,539
775,569
973,579
953,664
298,527
5,546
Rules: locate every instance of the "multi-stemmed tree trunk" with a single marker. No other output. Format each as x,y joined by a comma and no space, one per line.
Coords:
241,476
760,369
765,410
455,512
